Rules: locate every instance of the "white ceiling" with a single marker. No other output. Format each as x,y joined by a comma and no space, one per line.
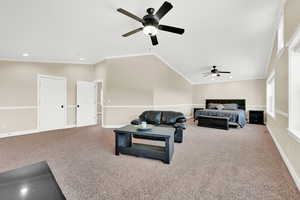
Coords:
236,34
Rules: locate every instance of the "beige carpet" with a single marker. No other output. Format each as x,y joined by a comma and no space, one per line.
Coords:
240,164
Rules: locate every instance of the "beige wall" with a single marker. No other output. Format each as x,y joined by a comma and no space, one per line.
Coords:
135,84
169,86
278,125
18,87
142,81
254,91
130,86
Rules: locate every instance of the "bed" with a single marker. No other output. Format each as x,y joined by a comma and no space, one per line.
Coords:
235,114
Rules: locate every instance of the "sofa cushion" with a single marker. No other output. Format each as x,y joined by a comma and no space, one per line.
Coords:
170,117
151,117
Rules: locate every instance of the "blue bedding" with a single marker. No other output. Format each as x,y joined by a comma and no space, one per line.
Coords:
235,116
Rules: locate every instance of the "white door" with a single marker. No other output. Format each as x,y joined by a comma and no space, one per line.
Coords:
52,103
99,102
86,103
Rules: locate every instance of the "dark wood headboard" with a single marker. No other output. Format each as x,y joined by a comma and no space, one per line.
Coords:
240,102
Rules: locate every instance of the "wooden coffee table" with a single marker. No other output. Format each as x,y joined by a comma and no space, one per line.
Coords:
125,145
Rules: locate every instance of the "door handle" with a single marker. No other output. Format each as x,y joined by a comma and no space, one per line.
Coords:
62,106
77,106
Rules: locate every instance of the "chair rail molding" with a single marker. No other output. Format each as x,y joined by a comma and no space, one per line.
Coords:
17,107
255,107
146,106
71,106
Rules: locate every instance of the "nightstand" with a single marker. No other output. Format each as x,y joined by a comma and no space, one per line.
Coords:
256,117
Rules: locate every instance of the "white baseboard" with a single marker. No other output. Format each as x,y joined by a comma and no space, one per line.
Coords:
27,132
17,133
284,114
71,126
290,167
85,125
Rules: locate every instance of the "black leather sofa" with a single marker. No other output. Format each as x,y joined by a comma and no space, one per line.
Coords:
163,119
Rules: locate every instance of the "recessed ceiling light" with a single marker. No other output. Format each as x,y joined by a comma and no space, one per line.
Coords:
25,54
81,59
230,76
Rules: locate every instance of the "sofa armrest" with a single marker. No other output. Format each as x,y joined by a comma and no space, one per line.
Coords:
179,125
181,120
136,122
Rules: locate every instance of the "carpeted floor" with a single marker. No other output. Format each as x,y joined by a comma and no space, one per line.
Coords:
241,164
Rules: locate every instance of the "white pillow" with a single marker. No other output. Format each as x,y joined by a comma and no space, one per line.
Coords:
220,107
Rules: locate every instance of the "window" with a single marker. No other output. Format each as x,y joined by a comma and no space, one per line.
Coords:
271,95
280,35
294,86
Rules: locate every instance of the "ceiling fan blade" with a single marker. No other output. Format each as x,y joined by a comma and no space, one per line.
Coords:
132,32
163,10
171,29
129,14
224,72
154,40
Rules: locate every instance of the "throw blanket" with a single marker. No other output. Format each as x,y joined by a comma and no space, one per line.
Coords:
235,116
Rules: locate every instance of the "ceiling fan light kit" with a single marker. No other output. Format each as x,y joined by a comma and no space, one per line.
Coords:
151,22
150,30
214,72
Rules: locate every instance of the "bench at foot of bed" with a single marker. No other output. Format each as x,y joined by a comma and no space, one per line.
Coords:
234,125
213,122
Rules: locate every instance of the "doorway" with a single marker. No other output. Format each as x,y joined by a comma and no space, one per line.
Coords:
86,103
100,102
52,101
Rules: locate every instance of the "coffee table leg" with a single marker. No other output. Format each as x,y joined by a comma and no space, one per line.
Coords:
117,144
167,151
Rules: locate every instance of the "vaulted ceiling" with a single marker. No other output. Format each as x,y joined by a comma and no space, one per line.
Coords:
234,34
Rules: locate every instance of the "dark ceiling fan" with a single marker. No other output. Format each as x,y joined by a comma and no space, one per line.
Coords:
151,22
215,72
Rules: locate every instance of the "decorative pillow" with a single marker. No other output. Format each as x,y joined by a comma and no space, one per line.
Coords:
231,106
212,106
220,107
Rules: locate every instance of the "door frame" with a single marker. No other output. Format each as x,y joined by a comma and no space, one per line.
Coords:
39,77
96,93
102,100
